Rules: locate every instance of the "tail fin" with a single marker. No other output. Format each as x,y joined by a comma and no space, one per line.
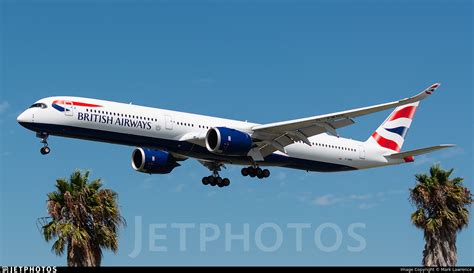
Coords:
392,132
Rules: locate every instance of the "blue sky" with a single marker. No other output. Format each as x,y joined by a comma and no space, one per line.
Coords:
261,61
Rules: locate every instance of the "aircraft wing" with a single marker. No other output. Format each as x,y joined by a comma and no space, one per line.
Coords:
275,136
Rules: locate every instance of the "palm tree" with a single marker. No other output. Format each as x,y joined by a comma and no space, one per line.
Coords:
441,212
84,219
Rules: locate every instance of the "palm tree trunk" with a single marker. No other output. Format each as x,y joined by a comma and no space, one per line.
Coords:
78,256
70,255
440,249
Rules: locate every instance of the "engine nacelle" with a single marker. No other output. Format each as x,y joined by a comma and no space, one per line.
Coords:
153,161
222,140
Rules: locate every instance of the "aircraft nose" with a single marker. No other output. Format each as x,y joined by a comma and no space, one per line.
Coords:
25,119
22,118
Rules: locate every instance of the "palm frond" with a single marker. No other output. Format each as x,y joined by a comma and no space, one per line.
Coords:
58,246
84,217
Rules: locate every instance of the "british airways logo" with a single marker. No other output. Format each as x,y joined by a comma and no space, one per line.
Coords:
124,122
398,123
65,106
62,105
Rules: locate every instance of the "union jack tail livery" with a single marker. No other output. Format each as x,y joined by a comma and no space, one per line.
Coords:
391,134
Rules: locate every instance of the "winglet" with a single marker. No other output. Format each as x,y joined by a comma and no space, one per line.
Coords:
432,88
422,95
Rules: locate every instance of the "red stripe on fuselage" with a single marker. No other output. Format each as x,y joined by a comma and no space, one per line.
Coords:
386,143
75,103
407,112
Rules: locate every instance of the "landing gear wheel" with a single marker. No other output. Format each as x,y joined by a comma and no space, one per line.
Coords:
45,150
252,172
226,182
212,181
215,179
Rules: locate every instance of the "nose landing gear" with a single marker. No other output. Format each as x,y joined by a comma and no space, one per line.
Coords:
44,140
45,150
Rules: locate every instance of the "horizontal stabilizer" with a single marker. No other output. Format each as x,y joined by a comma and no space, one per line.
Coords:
421,151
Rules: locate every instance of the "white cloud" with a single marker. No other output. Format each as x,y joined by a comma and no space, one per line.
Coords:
327,200
361,201
4,105
360,196
424,159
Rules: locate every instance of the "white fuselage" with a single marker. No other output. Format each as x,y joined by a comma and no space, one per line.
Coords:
183,133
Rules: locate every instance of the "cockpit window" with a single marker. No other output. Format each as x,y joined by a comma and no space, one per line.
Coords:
39,105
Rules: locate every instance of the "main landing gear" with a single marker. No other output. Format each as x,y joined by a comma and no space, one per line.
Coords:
44,140
255,172
216,180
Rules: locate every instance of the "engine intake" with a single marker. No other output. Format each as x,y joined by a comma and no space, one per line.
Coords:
153,161
222,140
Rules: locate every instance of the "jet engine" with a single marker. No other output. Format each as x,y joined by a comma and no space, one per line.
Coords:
227,141
153,161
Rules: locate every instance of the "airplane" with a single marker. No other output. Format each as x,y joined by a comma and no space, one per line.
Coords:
164,138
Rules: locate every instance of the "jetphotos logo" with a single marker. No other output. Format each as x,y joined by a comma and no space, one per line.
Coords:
64,105
265,237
